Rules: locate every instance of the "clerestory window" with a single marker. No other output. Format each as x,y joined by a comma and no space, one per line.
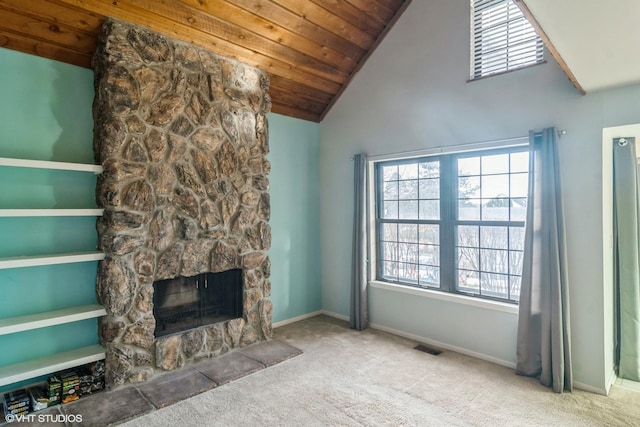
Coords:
502,39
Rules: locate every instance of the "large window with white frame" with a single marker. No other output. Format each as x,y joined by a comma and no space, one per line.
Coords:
453,222
502,39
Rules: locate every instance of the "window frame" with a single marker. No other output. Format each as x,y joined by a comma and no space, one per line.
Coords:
476,37
379,221
448,222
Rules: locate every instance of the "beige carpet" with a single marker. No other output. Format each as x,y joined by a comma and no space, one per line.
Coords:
346,378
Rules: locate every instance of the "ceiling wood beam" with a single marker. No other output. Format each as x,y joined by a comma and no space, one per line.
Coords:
42,30
53,12
547,42
22,43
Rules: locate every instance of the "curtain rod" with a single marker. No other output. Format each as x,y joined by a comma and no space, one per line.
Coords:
497,143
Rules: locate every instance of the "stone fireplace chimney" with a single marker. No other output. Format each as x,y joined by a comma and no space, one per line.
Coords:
182,135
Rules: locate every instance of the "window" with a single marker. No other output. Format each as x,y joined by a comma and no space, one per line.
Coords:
454,222
501,38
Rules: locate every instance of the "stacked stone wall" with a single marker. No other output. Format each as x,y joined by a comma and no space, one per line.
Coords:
182,135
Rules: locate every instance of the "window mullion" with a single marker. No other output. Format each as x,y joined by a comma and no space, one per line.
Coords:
378,208
448,195
379,263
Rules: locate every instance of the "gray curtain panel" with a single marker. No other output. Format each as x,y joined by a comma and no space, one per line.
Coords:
626,257
359,313
543,347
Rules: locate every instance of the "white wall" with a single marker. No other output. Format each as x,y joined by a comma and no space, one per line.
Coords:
413,94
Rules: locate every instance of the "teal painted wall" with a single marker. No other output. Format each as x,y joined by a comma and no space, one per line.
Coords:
45,114
295,218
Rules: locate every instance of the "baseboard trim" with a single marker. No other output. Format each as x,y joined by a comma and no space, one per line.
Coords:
298,318
612,379
582,386
310,315
590,388
445,346
335,315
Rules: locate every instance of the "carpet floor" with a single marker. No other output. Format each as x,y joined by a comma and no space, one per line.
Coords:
371,378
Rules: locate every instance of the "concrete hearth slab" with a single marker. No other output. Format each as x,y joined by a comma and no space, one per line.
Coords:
175,386
229,367
271,352
122,404
110,407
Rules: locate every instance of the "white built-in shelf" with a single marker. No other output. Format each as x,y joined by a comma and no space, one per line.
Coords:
49,364
42,320
50,212
43,164
34,261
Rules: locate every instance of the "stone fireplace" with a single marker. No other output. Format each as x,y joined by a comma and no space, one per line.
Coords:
182,135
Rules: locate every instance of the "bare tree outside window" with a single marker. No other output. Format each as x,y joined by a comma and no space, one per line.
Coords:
488,199
490,224
410,234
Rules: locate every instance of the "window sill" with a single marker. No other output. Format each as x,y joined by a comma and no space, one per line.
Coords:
501,73
444,296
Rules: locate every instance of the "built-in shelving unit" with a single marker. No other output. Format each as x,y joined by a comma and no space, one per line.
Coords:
12,325
49,212
38,260
44,164
46,365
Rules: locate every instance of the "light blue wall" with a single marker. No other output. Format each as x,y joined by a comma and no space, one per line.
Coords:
45,114
413,94
295,217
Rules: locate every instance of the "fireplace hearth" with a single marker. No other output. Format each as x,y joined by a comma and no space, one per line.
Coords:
185,303
182,136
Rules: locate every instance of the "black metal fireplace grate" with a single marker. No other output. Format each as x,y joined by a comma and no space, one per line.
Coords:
185,303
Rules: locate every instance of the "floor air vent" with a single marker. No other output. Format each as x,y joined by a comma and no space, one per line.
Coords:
426,349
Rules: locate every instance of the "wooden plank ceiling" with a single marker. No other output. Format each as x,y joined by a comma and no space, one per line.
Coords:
310,48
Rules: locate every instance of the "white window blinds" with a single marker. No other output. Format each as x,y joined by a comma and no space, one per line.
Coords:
502,38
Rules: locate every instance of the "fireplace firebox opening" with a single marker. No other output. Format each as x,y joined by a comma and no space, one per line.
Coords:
185,303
